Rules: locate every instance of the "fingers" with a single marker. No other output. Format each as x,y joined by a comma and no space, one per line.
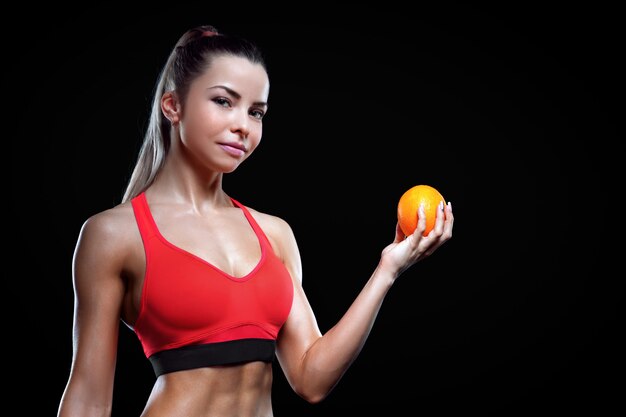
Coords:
421,222
447,229
407,250
443,222
439,221
442,230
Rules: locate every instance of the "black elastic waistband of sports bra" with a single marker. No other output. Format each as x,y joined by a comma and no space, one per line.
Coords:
213,354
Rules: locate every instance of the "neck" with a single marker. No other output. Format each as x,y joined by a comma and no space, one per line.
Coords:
180,183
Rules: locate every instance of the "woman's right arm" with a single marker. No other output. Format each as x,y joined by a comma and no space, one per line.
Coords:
98,295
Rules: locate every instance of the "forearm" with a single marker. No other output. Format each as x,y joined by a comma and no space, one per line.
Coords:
89,391
69,409
75,404
331,355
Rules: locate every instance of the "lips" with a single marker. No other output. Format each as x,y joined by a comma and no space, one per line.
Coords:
233,148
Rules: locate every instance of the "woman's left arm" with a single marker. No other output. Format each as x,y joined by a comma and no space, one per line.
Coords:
313,362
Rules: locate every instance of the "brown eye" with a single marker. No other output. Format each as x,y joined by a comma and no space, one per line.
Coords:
224,102
258,114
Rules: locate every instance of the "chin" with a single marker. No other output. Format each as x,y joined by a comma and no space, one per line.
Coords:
227,169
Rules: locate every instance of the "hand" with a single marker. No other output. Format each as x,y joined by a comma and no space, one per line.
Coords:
407,250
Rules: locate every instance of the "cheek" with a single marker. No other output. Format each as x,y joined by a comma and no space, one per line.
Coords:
254,137
198,124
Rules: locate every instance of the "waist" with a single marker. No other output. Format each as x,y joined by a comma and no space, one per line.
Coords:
239,390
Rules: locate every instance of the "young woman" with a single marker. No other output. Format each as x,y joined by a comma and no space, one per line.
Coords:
212,287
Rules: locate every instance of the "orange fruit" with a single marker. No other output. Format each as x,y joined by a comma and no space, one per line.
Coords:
410,202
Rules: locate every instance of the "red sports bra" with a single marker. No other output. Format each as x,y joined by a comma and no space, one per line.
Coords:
192,314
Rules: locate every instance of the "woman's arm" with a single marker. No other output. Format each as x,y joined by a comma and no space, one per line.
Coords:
314,363
98,294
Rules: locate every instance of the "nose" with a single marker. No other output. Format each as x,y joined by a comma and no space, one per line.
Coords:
241,123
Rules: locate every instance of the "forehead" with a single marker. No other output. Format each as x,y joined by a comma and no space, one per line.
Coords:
237,73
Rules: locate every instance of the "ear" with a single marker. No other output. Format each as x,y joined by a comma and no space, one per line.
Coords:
170,107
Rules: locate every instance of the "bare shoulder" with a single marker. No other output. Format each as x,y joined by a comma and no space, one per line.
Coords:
272,225
111,230
112,223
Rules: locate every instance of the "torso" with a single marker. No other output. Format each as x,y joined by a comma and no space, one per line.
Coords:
234,390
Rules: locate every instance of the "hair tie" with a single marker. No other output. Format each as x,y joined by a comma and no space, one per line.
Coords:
208,33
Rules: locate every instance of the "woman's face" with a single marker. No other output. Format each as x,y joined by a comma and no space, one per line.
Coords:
221,119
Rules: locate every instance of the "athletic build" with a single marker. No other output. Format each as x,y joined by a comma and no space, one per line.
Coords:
212,288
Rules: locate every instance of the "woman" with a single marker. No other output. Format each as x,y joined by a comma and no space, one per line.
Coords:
212,288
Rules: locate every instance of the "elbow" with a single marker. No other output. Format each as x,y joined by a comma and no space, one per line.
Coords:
315,380
311,393
312,397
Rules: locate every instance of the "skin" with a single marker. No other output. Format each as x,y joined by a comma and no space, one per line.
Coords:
188,204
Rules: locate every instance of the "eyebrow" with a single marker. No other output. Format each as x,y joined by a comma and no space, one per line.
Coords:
236,94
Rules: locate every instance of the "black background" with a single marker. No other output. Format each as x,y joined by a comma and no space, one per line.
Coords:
511,113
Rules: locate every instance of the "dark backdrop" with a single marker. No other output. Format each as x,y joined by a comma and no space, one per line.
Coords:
510,113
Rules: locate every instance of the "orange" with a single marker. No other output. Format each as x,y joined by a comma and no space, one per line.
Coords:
410,202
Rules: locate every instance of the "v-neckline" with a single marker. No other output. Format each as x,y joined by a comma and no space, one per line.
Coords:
203,261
